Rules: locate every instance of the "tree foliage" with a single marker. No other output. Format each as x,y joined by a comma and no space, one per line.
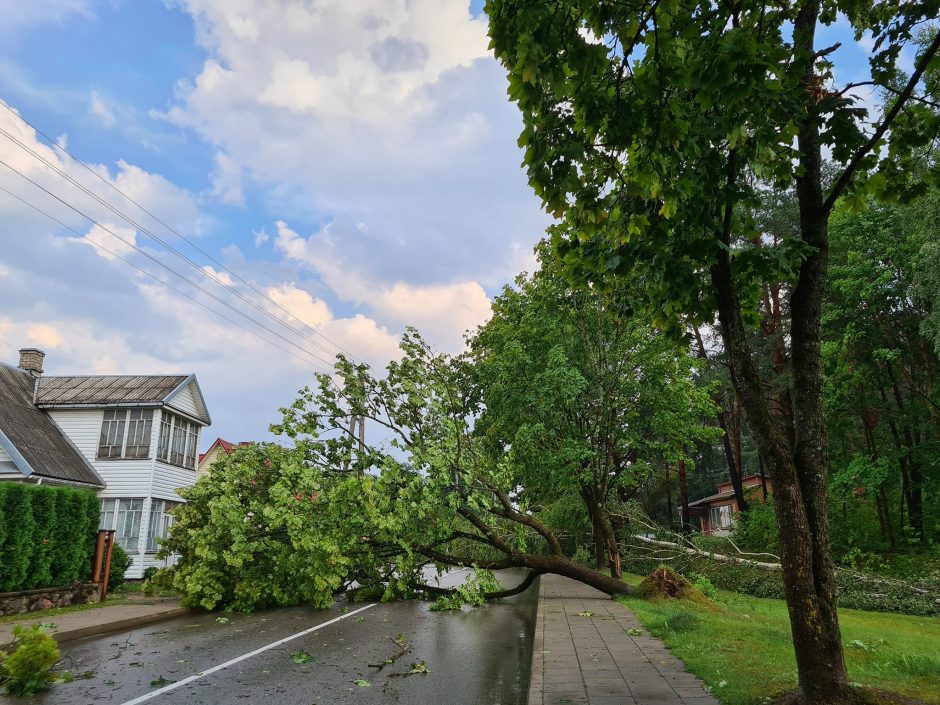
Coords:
476,446
655,130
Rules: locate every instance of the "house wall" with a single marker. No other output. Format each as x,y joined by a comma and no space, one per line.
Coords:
144,478
4,458
124,478
210,458
185,401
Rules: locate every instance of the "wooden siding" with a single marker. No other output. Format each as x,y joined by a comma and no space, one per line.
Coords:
4,458
185,400
123,478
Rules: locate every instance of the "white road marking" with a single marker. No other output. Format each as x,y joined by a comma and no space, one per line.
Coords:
173,686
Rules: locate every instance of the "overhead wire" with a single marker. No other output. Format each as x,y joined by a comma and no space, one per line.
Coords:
163,264
167,246
157,279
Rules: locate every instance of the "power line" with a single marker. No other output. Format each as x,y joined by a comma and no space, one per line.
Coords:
56,145
163,265
156,278
173,250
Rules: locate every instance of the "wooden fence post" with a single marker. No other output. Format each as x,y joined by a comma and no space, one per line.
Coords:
107,566
98,558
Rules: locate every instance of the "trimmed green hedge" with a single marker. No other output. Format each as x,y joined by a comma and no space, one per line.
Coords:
46,535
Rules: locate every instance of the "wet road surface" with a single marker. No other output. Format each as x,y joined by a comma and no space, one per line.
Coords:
476,656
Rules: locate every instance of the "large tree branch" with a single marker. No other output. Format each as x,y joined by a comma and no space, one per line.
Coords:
496,594
510,512
902,97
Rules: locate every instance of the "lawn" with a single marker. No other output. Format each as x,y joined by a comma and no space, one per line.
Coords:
740,646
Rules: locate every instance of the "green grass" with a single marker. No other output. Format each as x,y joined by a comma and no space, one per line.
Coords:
740,646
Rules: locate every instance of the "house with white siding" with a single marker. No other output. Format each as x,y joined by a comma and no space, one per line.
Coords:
132,438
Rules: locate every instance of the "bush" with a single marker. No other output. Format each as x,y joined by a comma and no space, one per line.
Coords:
756,529
705,586
28,669
120,562
46,535
856,590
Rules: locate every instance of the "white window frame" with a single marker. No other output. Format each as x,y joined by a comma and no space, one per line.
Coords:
179,441
116,425
161,519
124,515
721,517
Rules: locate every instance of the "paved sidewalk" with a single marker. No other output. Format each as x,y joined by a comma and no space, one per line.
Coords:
101,620
594,660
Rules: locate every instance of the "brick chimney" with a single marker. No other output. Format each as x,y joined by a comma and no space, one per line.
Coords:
31,360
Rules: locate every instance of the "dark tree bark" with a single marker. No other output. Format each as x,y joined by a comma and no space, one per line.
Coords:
684,498
729,420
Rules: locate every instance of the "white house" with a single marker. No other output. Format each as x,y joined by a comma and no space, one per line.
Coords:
134,439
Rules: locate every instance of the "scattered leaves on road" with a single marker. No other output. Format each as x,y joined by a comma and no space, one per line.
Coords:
160,682
633,631
362,683
222,620
301,657
419,667
585,614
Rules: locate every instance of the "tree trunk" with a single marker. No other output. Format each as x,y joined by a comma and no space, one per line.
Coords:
684,498
728,421
733,454
560,565
798,468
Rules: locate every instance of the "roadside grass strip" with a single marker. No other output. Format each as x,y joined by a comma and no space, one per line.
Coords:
740,646
238,659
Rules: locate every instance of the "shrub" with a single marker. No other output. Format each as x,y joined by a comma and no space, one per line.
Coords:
150,572
705,586
120,562
756,529
856,590
46,535
28,669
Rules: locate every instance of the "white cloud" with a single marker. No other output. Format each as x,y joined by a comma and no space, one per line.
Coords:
386,113
261,237
441,311
110,241
44,335
100,109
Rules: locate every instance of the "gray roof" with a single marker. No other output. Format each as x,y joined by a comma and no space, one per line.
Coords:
32,439
102,390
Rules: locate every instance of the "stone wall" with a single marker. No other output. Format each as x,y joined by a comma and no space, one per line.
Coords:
47,598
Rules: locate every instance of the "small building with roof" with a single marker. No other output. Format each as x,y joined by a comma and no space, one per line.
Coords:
220,447
134,439
716,512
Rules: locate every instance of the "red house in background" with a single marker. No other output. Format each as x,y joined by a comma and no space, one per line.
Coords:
716,512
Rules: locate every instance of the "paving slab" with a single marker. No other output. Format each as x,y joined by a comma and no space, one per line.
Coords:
594,661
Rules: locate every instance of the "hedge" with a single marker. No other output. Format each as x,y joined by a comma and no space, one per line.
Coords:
856,590
46,535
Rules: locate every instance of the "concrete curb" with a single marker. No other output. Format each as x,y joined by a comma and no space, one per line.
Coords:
536,672
120,624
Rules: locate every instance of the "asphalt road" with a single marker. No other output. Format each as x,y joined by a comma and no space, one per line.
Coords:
476,656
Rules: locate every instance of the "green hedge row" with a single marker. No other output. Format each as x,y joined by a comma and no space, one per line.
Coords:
46,535
856,591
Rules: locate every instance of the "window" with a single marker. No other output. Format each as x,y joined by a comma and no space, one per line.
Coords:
125,433
161,519
178,441
122,515
721,517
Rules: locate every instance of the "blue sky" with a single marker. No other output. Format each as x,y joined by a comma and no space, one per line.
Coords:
356,161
